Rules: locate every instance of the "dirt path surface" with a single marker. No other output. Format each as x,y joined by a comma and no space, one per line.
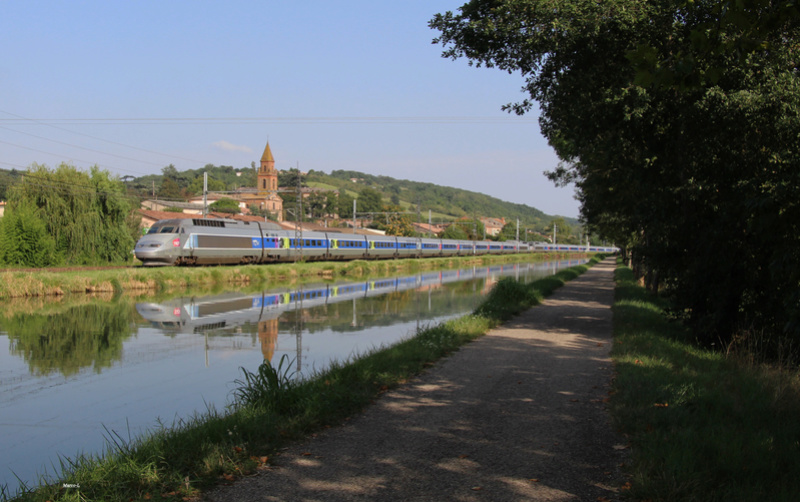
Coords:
517,415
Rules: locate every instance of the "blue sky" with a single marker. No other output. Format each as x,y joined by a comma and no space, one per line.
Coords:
135,86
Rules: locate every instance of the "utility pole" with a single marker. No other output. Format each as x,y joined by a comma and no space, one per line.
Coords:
205,194
517,229
298,229
354,216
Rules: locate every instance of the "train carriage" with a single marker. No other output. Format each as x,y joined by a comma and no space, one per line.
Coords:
309,246
382,246
449,248
409,247
430,247
347,246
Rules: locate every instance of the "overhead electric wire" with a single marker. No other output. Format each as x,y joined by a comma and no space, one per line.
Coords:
80,147
279,120
36,121
58,155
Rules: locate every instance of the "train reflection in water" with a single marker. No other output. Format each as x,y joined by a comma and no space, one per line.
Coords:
230,312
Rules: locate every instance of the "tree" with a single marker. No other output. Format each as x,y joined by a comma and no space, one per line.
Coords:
395,222
288,179
225,205
316,204
88,215
196,187
454,231
369,201
473,228
331,203
673,119
170,190
345,206
170,172
24,240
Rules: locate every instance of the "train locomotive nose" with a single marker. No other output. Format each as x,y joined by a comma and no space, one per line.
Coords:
155,250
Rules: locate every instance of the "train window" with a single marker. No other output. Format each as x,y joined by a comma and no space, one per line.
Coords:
167,230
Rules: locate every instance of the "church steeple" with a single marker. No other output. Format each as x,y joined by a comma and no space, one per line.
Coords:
267,157
267,174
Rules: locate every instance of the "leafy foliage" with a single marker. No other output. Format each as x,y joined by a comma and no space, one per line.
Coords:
415,195
225,205
214,185
24,240
87,215
454,231
677,122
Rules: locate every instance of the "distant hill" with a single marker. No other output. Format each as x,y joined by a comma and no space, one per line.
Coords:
441,200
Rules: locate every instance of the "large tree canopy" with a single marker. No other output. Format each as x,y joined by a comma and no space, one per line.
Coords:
87,215
678,122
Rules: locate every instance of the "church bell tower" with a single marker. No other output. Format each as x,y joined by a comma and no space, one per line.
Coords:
267,174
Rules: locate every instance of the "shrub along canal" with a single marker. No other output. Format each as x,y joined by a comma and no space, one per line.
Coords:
73,376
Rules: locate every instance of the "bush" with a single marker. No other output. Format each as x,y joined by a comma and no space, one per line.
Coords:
25,241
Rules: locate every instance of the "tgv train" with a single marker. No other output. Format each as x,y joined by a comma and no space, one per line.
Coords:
221,241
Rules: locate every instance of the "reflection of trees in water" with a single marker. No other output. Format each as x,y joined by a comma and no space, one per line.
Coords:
387,309
66,342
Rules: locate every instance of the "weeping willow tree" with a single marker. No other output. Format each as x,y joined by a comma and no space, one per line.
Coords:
88,215
24,240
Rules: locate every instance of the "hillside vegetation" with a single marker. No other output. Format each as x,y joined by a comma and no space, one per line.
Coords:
447,201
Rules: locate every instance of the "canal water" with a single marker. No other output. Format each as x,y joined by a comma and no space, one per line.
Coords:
73,375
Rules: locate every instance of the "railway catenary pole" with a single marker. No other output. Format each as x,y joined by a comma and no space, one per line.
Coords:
205,194
298,219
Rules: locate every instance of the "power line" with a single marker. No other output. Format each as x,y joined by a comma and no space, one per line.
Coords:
62,156
75,146
27,120
277,120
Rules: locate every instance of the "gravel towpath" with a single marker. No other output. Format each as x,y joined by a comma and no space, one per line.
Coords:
517,415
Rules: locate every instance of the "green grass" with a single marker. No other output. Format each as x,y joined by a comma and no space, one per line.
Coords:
702,425
183,459
17,284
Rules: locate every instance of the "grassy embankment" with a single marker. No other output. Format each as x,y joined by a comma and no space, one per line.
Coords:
272,409
15,284
702,425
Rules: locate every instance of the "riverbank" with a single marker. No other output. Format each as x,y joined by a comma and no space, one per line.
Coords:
147,280
215,446
702,425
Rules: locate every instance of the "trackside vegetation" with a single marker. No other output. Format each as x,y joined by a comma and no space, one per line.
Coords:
270,408
704,424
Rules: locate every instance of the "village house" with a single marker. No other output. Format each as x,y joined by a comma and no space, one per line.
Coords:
493,226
